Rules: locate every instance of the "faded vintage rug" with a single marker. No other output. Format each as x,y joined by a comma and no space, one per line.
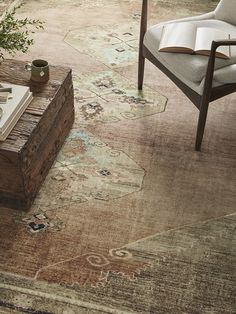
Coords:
130,218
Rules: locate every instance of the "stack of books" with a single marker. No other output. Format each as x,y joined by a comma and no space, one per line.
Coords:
14,99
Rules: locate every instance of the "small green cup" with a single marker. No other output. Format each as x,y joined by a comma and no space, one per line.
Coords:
39,70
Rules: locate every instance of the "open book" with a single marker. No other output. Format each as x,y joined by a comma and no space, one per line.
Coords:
188,38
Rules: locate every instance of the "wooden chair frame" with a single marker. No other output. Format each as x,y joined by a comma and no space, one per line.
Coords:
209,93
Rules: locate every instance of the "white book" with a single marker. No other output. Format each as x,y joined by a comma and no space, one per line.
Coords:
12,110
4,134
188,38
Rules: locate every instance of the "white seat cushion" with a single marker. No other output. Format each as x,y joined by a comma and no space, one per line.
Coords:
191,69
226,11
226,75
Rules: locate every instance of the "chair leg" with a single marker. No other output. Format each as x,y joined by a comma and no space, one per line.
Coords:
141,66
201,124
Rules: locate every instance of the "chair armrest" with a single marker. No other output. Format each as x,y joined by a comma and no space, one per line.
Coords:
226,42
211,65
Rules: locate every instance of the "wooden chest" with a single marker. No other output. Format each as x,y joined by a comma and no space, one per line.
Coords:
30,150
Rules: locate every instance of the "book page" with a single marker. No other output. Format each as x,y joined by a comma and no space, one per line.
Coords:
178,35
204,38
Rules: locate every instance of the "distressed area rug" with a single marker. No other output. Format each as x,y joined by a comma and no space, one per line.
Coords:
193,271
130,218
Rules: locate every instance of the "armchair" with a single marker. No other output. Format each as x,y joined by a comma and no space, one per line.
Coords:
201,79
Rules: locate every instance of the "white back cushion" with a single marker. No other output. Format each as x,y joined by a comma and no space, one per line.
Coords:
226,11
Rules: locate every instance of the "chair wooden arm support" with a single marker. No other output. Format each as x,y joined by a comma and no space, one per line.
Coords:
209,93
226,42
143,25
211,65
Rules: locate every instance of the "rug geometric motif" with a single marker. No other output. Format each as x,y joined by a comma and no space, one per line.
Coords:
107,97
114,45
87,168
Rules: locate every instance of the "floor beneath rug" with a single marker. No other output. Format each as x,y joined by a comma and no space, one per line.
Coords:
130,218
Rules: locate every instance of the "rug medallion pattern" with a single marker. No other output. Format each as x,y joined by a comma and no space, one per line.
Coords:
87,168
107,97
114,45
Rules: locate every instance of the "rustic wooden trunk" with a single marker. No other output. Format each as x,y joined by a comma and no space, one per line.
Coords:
31,148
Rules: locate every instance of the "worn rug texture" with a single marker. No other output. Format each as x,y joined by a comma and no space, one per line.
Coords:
130,218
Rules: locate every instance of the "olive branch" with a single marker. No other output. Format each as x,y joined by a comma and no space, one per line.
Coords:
14,32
